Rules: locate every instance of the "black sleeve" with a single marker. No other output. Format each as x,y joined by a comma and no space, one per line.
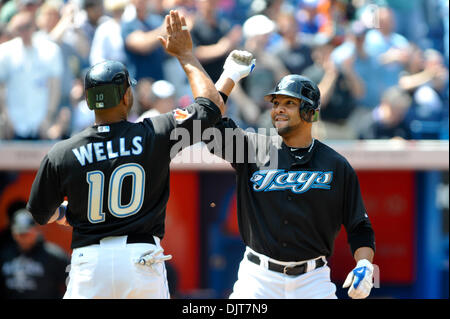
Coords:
361,236
229,142
45,195
355,219
184,127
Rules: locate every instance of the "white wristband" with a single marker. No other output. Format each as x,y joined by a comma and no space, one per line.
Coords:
235,76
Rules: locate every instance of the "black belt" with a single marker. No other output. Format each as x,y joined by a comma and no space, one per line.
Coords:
138,238
288,270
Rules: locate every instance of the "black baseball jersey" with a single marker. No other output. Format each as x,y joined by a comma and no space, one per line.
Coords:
116,176
292,202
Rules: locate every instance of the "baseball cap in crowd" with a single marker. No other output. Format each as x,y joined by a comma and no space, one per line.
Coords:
112,5
257,25
22,221
163,89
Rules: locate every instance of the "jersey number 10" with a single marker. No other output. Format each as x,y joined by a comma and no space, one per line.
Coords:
96,181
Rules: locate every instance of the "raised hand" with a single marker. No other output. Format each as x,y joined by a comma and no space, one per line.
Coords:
178,41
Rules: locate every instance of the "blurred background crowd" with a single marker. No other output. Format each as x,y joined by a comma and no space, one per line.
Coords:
381,65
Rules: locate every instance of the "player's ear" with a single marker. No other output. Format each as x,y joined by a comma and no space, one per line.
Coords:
127,97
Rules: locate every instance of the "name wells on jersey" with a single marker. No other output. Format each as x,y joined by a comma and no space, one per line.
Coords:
101,151
296,181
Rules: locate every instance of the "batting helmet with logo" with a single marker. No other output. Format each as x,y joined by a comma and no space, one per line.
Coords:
301,88
106,83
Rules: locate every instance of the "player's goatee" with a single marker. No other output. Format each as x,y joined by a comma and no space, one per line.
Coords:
284,129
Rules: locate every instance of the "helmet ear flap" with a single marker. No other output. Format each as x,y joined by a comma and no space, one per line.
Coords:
308,113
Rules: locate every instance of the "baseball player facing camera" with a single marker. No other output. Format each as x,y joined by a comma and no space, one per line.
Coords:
115,176
293,194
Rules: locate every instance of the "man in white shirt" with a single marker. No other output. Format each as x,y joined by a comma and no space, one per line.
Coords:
30,70
108,43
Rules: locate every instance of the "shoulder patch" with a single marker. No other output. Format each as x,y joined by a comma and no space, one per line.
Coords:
181,115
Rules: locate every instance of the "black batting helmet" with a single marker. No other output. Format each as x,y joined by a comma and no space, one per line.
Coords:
106,83
301,88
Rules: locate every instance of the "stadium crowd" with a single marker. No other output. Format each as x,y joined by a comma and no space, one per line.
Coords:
381,66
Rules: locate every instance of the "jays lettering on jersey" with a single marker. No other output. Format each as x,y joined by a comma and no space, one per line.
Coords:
292,202
297,181
116,176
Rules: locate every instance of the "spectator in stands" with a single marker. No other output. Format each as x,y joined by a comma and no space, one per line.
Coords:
82,116
251,108
6,238
312,16
389,48
366,67
172,70
143,97
257,31
67,33
93,16
426,80
108,43
30,267
213,37
12,7
145,56
295,55
389,119
48,20
31,69
161,98
340,87
410,19
425,68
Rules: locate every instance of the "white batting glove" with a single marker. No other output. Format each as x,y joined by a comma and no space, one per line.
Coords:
360,280
238,65
153,256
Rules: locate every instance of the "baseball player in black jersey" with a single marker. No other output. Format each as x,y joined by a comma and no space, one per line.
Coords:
294,193
115,176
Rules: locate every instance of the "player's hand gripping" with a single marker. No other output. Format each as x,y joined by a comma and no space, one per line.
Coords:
238,65
360,280
178,41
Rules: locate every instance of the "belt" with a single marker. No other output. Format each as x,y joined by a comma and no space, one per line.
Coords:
288,270
138,238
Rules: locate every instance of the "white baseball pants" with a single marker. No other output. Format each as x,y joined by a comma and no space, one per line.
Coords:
257,282
108,271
